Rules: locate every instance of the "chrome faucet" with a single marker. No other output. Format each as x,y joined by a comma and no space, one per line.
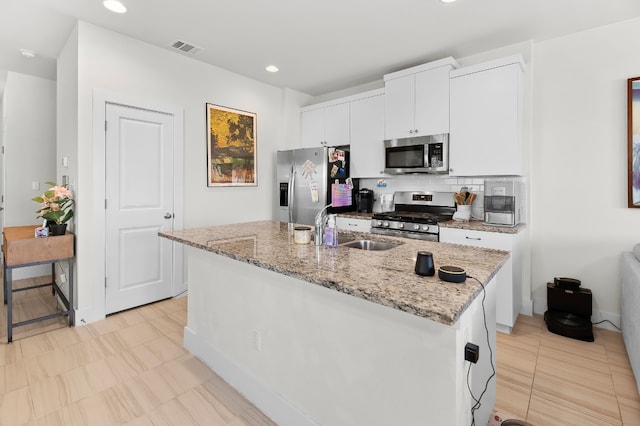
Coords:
321,219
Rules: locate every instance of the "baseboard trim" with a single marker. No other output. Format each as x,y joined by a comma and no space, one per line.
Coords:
258,393
87,316
607,316
539,306
527,307
31,272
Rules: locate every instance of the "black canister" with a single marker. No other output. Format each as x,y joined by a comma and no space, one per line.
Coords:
424,264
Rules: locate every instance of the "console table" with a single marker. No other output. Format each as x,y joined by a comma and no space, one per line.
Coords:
22,249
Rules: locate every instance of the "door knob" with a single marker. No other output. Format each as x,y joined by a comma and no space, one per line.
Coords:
168,215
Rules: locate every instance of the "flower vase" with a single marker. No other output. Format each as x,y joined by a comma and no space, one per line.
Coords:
57,228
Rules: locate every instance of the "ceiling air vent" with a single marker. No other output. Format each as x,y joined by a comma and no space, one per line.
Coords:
185,47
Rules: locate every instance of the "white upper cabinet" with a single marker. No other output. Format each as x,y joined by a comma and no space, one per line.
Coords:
399,107
326,125
486,135
356,120
367,135
417,100
432,101
312,127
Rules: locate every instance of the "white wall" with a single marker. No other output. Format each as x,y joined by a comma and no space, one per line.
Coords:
116,64
30,135
29,128
579,217
67,108
2,160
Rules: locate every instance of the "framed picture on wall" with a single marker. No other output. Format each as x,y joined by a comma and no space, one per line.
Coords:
633,109
231,147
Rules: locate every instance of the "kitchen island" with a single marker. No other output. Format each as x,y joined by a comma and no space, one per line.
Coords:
318,335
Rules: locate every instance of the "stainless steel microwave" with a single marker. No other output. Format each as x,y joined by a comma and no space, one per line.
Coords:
424,154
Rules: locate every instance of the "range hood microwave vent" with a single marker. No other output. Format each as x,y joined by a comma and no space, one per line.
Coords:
185,47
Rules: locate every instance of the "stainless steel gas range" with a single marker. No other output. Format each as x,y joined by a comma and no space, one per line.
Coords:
416,215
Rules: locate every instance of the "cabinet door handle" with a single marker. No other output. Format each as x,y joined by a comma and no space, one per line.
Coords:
471,238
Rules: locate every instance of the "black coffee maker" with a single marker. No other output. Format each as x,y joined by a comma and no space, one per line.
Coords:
364,201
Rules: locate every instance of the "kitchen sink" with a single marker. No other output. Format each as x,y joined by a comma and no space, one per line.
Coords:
343,238
370,245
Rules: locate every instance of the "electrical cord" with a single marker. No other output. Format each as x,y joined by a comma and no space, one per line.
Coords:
600,322
477,404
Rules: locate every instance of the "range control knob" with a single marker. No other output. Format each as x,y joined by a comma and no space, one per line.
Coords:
401,225
416,227
425,227
385,224
379,223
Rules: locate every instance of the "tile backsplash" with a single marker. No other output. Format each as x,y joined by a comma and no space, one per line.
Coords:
436,183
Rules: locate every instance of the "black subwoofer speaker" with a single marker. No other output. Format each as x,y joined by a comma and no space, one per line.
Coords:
569,311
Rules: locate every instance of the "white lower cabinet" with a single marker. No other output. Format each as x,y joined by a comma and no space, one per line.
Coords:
351,224
509,279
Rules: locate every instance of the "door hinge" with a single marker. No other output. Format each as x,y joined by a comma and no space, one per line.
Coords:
105,203
3,149
105,125
105,282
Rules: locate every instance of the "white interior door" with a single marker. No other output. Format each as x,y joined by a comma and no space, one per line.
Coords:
139,203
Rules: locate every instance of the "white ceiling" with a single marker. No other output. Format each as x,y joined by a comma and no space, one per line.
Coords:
320,46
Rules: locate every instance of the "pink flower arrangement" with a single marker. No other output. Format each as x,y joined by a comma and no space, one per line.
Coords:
56,204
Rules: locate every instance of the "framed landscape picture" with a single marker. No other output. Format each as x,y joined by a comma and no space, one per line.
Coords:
231,147
633,156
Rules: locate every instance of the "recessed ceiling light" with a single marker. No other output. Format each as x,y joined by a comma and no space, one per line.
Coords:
272,68
114,6
29,54
447,1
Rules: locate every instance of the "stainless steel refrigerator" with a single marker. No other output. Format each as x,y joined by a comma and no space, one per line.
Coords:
310,178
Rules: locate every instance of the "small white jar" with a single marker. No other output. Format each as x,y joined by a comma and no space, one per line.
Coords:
302,235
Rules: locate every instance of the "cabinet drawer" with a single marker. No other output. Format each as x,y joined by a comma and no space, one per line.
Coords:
350,224
492,240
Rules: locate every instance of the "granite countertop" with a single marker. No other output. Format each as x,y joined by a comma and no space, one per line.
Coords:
384,277
474,224
479,225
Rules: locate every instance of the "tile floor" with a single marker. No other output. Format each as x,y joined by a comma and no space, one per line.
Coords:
131,369
547,379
